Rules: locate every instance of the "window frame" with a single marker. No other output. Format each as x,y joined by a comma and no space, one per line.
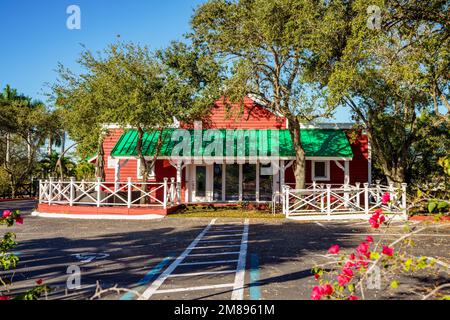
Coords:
327,171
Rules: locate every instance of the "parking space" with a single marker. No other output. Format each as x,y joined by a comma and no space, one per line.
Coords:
179,258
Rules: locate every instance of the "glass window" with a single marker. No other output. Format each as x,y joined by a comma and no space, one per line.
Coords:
321,170
218,182
265,184
200,190
232,182
249,182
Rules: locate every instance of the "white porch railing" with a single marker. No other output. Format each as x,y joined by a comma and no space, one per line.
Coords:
350,201
101,194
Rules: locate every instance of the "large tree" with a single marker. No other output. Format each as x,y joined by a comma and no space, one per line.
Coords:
279,51
388,76
130,86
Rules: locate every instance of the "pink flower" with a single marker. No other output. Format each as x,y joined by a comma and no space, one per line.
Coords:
6,213
317,276
343,280
348,272
377,219
4,298
352,257
363,248
334,249
386,198
39,282
382,219
349,264
316,293
369,239
352,298
327,289
388,251
19,220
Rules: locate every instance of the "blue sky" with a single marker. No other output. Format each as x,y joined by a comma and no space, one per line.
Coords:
35,37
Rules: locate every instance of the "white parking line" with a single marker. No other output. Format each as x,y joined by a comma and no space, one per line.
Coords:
215,286
207,262
213,254
150,291
239,281
202,238
194,274
225,240
218,247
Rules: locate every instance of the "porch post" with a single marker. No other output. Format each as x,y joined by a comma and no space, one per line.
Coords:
116,175
241,187
224,180
282,173
358,198
179,183
258,171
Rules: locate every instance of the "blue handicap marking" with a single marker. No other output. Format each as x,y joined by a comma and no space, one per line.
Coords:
255,290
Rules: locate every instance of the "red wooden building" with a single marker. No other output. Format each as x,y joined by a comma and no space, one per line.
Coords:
255,161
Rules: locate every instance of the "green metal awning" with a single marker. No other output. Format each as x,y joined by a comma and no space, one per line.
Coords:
318,143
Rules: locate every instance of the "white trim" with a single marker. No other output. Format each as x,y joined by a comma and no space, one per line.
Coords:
336,126
96,216
239,160
353,216
239,280
327,171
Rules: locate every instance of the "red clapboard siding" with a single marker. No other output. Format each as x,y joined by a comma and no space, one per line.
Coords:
248,116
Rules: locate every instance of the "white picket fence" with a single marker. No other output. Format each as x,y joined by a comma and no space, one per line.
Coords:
327,202
101,194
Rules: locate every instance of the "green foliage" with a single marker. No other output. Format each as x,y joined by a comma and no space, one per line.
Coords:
84,171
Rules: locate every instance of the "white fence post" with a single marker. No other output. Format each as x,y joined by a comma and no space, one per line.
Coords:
378,197
392,195
286,191
172,191
358,198
40,192
72,191
99,191
50,190
329,200
129,187
346,196
404,204
165,193
366,199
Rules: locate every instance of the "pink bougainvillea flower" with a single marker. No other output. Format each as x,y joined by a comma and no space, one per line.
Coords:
4,298
349,264
6,213
386,198
39,282
343,280
352,298
317,276
388,251
382,219
334,249
327,289
348,272
374,223
352,257
363,248
19,220
316,293
362,262
369,239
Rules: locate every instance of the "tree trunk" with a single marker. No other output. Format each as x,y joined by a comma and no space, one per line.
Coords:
300,162
50,144
100,165
63,142
8,149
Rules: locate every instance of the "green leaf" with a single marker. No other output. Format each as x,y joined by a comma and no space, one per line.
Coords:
432,205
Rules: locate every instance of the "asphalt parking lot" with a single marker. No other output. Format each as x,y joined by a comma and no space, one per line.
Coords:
179,258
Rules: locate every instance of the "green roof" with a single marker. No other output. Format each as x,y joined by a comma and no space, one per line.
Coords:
325,143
